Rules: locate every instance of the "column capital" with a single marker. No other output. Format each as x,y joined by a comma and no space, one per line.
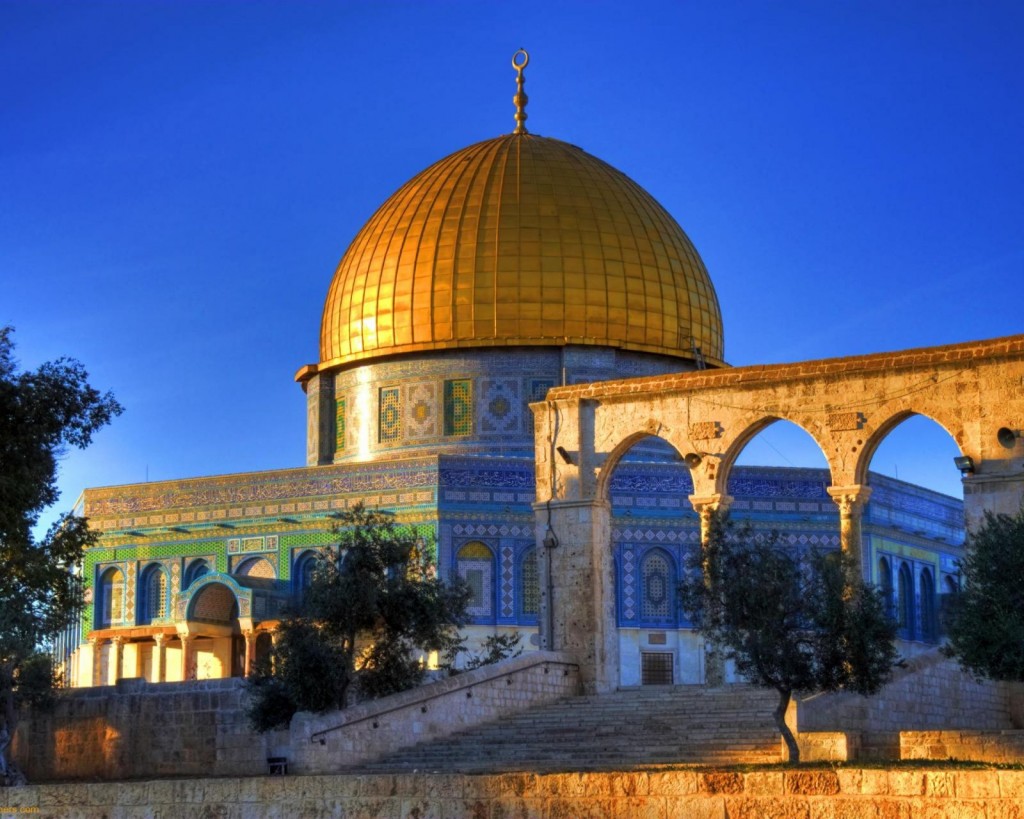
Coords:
849,499
160,639
705,504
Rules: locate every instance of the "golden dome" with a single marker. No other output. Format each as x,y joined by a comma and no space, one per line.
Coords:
517,241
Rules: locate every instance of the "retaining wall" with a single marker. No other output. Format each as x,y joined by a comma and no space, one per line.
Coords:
138,729
824,794
932,693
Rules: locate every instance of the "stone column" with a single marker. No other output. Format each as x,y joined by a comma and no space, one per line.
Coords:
250,651
159,657
577,601
186,656
118,645
851,501
96,645
706,507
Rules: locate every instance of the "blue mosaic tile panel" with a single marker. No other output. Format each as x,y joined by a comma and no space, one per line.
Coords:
458,407
500,409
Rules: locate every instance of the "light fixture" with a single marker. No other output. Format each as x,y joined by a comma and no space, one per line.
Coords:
550,541
564,453
1008,437
965,463
692,460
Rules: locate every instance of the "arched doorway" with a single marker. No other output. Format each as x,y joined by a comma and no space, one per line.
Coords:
217,647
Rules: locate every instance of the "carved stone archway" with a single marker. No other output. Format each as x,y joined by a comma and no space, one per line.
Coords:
975,391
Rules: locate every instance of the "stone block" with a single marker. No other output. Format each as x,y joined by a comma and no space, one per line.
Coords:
906,783
815,783
977,784
421,809
720,782
672,783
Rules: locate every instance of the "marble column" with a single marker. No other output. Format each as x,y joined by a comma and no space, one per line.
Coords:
851,501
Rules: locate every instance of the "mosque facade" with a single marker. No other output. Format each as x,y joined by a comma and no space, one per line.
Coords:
511,267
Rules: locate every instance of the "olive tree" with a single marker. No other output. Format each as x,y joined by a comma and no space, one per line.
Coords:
373,605
798,625
985,620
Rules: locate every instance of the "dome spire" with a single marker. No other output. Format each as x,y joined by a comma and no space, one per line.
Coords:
519,61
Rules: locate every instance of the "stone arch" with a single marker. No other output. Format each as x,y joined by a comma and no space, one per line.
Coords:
214,603
256,567
883,430
613,459
195,569
749,431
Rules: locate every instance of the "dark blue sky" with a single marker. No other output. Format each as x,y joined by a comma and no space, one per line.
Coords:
178,181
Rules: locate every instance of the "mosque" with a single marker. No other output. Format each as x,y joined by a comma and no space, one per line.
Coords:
511,267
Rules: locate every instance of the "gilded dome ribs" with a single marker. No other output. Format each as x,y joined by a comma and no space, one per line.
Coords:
519,240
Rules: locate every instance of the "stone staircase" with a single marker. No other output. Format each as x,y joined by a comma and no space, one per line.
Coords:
630,728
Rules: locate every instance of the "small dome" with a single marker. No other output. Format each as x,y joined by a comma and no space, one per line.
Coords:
520,241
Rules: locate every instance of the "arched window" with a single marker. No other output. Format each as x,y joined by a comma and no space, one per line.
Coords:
929,621
256,567
906,602
529,585
152,594
475,565
302,574
885,585
111,602
196,569
657,588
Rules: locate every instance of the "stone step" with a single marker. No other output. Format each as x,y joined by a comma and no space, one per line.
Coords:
626,728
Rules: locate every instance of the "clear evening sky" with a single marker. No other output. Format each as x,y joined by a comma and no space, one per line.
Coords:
178,181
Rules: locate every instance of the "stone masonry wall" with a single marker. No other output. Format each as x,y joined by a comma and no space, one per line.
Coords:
137,729
930,694
324,743
668,794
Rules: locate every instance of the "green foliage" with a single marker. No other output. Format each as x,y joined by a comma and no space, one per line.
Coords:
496,648
985,620
42,412
798,626
374,604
